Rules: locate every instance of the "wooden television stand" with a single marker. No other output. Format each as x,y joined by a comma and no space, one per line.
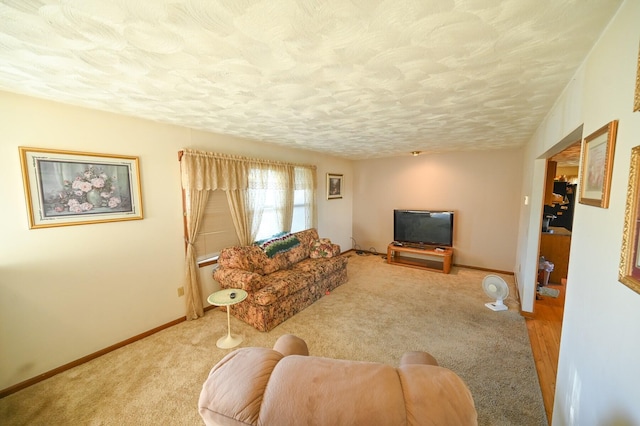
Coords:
422,258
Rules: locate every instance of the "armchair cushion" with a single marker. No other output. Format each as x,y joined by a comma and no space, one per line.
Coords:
285,386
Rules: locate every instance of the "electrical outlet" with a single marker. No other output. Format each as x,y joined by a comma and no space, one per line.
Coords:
180,291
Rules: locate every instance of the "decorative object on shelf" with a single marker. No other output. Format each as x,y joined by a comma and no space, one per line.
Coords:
636,99
334,186
74,188
597,165
629,271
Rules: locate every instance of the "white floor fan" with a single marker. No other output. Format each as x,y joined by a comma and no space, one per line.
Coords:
496,288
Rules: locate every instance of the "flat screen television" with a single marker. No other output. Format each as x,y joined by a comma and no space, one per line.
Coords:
423,227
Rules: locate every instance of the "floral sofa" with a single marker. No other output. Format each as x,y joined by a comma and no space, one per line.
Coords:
283,281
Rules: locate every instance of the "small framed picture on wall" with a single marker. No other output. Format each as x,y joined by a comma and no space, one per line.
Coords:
334,186
597,166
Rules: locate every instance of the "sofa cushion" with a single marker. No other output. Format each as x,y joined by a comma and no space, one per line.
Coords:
425,387
321,268
250,258
253,259
306,238
239,278
331,392
324,248
283,283
243,397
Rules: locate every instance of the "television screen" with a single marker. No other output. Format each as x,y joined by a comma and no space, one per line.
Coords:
423,227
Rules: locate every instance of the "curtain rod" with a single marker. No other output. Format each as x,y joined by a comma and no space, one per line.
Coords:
216,155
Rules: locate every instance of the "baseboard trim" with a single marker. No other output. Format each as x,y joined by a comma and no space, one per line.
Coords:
478,268
361,252
32,381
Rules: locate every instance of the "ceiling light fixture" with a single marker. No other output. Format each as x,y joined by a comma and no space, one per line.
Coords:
416,153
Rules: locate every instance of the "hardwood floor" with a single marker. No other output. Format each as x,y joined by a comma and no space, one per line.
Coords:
544,333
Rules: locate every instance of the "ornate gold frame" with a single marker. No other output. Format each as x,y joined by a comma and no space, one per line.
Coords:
636,99
629,271
108,187
596,165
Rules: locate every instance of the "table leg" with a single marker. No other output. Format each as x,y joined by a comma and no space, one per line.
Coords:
229,341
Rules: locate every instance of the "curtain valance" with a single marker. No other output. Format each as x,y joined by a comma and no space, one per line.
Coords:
210,171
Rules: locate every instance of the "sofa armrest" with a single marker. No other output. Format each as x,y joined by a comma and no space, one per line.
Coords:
238,278
417,357
288,344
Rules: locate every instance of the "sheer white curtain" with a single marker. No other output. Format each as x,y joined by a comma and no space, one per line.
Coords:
305,181
246,182
281,185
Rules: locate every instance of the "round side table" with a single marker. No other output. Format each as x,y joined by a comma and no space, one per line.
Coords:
228,297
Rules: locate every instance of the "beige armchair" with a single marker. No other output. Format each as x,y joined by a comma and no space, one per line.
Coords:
286,386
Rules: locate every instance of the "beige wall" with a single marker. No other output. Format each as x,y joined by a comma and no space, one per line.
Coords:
70,291
598,372
568,171
483,188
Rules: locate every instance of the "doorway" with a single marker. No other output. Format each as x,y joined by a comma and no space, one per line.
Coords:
557,223
545,327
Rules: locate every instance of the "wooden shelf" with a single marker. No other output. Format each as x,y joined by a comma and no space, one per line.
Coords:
422,258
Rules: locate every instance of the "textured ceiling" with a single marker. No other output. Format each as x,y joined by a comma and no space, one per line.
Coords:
570,157
354,78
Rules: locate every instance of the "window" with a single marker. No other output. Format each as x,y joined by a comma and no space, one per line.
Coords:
270,200
304,199
276,198
269,224
216,231
300,207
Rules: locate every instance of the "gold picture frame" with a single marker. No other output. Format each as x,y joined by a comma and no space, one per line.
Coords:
64,188
596,165
334,186
629,271
636,98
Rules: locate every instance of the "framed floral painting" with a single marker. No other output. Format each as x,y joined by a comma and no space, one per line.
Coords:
65,188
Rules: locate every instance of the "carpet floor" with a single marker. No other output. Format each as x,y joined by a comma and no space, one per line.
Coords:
381,312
